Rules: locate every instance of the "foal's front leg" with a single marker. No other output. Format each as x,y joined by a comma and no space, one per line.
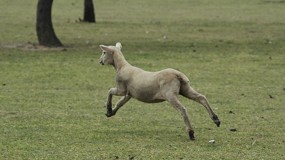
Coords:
120,103
112,91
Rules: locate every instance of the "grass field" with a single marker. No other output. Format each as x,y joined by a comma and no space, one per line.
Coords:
51,100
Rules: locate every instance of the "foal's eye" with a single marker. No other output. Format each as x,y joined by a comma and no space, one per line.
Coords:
104,52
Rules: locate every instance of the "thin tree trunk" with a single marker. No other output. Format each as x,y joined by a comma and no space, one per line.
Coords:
89,13
44,27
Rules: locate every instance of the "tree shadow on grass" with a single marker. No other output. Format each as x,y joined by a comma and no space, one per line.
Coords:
33,47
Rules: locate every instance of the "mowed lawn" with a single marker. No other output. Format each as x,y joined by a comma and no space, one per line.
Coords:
52,100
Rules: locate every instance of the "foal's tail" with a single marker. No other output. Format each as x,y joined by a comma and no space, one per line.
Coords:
182,77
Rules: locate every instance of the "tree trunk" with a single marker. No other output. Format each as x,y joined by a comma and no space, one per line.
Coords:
45,32
89,13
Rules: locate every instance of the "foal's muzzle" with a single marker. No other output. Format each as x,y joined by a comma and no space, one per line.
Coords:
101,62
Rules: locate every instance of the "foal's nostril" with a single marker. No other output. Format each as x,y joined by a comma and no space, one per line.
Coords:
101,62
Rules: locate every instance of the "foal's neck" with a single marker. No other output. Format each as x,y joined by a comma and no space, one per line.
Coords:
119,61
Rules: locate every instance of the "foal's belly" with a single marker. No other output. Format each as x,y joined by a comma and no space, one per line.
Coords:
147,100
147,95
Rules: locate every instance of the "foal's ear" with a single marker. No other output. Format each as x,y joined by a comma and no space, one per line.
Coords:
119,45
106,48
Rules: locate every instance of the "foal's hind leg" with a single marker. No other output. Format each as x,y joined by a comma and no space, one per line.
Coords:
172,99
187,91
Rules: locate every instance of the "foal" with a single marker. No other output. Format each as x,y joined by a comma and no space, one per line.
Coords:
150,87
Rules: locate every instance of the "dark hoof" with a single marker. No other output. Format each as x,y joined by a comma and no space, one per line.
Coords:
109,112
218,123
191,135
216,120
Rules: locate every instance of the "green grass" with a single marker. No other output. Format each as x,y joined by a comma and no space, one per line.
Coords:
51,101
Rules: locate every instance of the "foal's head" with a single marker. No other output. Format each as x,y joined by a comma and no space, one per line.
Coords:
108,52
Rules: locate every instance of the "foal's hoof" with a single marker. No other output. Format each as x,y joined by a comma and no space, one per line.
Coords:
109,114
218,123
191,135
216,120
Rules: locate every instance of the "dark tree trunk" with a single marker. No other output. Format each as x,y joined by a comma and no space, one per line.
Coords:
89,13
45,32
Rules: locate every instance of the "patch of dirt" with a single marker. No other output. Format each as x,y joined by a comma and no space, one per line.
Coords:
274,1
33,47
